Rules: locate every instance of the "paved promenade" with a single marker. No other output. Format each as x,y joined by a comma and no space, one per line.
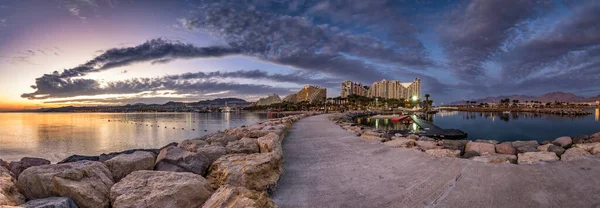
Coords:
327,166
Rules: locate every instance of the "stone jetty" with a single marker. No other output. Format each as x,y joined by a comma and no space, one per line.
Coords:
238,167
489,151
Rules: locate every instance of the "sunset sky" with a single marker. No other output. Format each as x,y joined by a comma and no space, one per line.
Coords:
98,52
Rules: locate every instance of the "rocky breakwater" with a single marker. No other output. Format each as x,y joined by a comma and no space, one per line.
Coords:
559,111
234,168
488,151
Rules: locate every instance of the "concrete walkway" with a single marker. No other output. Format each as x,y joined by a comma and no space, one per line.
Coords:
327,166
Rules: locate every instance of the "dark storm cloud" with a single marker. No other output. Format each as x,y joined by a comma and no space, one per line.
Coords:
282,38
475,33
156,51
297,78
52,86
574,41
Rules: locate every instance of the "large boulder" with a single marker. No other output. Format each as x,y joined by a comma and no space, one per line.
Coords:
556,149
525,146
17,167
86,182
574,153
544,147
425,145
9,193
254,171
588,146
506,148
373,138
480,147
51,202
595,137
413,137
160,189
176,159
470,154
563,142
581,139
238,197
270,143
455,144
400,142
443,152
212,152
536,157
192,144
244,146
220,138
595,151
495,158
124,164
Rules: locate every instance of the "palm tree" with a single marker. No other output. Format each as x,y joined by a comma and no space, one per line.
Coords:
427,101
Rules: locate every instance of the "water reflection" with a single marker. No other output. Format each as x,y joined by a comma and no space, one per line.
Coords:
57,135
504,126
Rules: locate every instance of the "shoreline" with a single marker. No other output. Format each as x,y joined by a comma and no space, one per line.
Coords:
489,151
239,166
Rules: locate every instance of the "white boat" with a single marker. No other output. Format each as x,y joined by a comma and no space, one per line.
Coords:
506,112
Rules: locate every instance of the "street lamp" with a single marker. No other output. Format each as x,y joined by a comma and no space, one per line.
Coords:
414,98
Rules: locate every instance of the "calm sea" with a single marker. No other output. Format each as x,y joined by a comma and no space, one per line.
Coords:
55,136
506,127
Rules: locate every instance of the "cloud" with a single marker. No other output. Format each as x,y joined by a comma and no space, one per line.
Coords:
284,39
53,86
574,41
155,51
474,33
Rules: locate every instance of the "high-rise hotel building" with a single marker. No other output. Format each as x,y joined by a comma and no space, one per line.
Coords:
384,89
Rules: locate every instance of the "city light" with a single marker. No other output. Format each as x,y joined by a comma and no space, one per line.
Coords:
414,98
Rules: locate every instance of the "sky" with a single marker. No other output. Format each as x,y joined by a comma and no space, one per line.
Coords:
112,52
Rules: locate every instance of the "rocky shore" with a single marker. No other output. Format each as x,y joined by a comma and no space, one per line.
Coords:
238,167
488,151
559,111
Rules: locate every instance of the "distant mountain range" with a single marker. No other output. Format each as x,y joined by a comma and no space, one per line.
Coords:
548,97
204,104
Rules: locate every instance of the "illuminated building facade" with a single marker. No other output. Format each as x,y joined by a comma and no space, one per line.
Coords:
385,89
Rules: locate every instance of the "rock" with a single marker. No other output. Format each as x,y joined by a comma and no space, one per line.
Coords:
238,197
192,144
5,164
546,142
544,147
17,167
76,158
176,159
9,193
536,157
243,146
495,158
51,202
588,146
270,143
424,138
443,152
256,134
122,165
407,143
487,141
372,133
220,138
595,137
160,189
506,148
412,136
425,145
574,154
563,142
470,154
86,182
254,171
455,144
480,147
581,139
525,146
556,149
595,150
372,138
212,152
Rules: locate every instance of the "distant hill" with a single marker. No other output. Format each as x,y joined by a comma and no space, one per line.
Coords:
548,97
